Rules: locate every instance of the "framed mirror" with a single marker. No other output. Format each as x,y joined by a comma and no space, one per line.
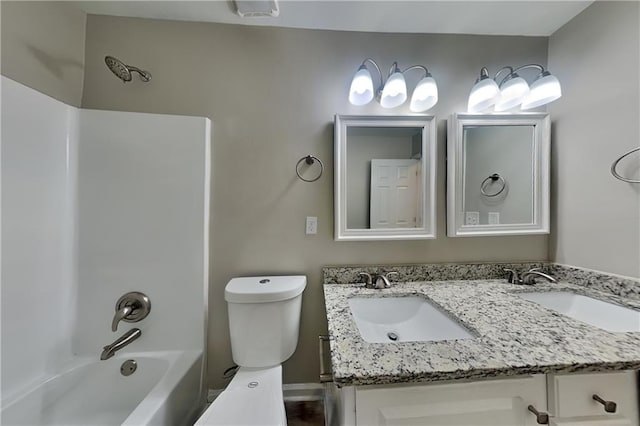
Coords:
385,173
498,174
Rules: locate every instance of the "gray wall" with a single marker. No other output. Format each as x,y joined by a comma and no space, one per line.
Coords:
596,218
43,47
272,94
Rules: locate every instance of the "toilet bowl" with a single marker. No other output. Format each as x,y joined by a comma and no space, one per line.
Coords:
264,321
254,397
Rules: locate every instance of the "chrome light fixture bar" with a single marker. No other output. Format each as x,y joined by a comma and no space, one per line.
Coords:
393,92
513,90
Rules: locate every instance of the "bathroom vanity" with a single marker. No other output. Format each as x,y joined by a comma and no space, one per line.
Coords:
519,358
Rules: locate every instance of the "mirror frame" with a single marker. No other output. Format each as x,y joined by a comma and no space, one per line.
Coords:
455,162
429,161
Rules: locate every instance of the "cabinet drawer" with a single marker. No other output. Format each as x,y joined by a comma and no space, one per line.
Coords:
482,403
572,395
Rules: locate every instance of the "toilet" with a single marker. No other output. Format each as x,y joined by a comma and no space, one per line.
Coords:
264,320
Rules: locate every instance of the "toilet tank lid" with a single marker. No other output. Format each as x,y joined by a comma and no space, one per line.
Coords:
264,289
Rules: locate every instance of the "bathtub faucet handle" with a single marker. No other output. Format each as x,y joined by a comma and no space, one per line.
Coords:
132,307
119,316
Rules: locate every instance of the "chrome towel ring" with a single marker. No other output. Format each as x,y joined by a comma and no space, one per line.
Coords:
489,180
615,164
309,160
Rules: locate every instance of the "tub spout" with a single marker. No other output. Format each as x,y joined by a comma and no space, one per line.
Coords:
120,343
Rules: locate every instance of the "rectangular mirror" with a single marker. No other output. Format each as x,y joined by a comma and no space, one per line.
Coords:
384,177
498,174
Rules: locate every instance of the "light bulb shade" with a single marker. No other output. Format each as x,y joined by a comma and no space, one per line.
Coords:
361,91
483,96
512,93
544,90
395,91
425,95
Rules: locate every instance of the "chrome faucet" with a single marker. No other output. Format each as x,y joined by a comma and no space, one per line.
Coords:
377,281
528,277
513,277
382,280
121,342
368,279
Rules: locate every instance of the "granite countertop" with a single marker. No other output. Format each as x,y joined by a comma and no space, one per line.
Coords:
514,336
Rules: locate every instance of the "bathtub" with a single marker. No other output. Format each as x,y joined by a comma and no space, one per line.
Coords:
166,389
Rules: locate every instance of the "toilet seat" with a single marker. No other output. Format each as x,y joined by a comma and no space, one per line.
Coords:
254,397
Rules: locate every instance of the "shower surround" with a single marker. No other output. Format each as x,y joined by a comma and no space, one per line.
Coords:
96,204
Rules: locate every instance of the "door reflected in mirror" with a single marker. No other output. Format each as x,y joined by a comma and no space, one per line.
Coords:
385,172
384,177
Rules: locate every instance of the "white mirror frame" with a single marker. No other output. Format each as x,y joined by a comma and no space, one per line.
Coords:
429,160
455,175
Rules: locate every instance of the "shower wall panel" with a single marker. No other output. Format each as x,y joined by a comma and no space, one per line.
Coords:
39,141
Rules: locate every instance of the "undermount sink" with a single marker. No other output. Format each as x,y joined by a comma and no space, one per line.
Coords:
595,312
403,319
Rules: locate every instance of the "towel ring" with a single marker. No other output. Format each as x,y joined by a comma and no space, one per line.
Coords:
615,164
309,159
491,179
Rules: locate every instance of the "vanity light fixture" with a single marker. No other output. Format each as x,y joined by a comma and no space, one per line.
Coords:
393,92
513,90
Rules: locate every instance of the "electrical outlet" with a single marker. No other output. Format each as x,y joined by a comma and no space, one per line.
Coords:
312,225
494,218
472,218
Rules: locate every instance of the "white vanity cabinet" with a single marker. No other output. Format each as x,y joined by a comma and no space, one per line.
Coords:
497,402
488,402
570,399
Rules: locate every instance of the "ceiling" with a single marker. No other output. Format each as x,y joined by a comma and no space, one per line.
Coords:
519,17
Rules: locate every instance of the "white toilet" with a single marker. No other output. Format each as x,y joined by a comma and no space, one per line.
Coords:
264,320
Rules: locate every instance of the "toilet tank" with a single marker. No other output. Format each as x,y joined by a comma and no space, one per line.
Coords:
264,318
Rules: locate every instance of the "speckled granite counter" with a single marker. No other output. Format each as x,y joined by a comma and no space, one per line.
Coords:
515,336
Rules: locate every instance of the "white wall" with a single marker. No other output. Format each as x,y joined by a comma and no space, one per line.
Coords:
38,283
143,188
595,217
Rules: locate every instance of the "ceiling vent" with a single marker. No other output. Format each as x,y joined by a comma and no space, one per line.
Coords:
248,8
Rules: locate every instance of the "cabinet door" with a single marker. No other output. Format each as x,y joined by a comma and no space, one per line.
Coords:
489,402
571,398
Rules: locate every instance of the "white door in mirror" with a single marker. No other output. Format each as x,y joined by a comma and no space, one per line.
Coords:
394,188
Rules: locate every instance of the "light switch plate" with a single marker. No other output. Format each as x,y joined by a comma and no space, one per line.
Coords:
494,218
312,225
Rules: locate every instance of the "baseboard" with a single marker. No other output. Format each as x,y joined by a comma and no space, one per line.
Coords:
291,392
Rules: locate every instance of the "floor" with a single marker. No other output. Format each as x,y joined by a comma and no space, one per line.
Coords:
304,413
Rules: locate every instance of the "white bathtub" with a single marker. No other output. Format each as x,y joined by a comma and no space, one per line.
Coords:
165,389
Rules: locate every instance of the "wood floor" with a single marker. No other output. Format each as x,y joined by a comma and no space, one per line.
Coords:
304,413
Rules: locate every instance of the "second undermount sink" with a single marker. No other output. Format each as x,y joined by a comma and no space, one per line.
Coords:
598,313
403,319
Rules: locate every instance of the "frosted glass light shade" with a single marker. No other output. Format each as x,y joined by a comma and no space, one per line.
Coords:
512,93
395,91
361,91
425,95
544,90
483,96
